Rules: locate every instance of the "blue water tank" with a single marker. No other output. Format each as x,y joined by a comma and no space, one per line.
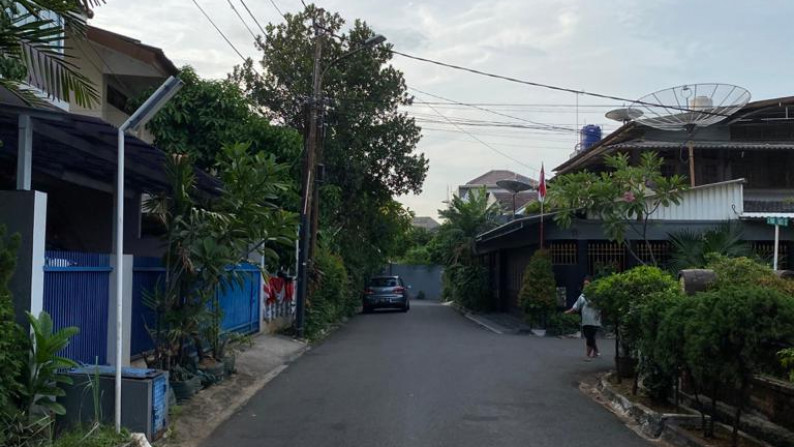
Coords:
590,135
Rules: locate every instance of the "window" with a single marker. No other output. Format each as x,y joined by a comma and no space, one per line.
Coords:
117,99
609,256
563,253
660,250
766,251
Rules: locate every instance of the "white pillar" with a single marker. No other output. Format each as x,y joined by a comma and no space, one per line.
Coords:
38,251
777,244
126,305
25,153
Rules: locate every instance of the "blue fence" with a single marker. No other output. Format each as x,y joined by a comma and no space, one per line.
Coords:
147,275
76,293
239,300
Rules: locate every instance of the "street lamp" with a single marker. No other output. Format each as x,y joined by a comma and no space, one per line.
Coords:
138,119
309,171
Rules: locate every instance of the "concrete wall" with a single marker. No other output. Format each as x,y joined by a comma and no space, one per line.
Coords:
421,278
25,213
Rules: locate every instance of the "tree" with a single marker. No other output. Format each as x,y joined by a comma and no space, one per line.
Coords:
31,48
538,292
369,143
206,115
624,198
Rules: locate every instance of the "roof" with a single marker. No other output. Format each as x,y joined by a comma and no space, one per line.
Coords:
425,222
66,143
634,130
522,198
133,48
737,145
513,225
491,177
768,206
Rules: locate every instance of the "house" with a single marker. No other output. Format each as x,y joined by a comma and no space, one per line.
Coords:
742,172
57,190
425,222
496,193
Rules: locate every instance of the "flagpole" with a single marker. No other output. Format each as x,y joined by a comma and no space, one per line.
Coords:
541,223
542,199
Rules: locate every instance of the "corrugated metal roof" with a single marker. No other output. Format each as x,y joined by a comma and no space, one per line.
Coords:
716,201
737,145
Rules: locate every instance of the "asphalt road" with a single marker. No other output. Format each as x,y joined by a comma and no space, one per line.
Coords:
429,378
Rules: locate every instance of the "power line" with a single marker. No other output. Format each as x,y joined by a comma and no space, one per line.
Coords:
484,143
547,86
241,19
518,104
254,18
219,31
567,129
272,2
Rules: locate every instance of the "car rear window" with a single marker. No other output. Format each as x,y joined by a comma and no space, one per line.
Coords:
383,282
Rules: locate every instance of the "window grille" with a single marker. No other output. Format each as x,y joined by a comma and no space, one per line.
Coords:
563,253
609,256
660,250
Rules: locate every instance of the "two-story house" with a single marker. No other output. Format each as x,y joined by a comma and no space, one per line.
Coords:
742,172
499,195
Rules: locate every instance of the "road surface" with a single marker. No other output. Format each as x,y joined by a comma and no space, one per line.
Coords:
429,378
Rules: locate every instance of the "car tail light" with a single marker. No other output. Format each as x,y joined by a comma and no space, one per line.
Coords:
368,292
399,289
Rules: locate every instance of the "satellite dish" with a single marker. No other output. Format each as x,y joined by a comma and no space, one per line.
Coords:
624,115
689,106
515,186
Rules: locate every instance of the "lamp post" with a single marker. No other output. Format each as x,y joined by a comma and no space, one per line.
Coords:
138,119
307,231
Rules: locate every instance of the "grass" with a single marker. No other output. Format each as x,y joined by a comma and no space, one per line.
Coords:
98,436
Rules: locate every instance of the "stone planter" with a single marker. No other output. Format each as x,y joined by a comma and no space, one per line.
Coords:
184,390
229,363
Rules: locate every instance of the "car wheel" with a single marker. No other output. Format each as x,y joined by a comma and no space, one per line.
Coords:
407,307
366,310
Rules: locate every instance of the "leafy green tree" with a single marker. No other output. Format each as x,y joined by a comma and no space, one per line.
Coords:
206,115
624,198
369,144
538,293
694,250
31,44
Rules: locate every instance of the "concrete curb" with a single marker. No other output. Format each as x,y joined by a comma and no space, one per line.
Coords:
472,317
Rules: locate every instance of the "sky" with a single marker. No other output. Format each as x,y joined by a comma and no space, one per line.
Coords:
618,47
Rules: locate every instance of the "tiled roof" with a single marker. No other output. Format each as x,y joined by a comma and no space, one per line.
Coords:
425,222
766,206
491,177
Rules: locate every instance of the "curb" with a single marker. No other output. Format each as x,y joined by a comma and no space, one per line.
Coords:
472,317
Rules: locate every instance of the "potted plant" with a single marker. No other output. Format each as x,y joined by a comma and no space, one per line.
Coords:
184,383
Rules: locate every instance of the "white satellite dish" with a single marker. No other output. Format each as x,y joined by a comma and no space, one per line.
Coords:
689,106
624,115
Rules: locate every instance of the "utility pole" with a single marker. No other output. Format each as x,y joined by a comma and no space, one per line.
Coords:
307,187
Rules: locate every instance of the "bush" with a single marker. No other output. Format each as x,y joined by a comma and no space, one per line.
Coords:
660,342
467,285
331,298
537,297
620,295
13,343
746,271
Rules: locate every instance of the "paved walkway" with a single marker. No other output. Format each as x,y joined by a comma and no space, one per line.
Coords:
429,378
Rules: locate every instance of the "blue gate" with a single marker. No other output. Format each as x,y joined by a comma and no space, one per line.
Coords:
76,293
240,300
147,275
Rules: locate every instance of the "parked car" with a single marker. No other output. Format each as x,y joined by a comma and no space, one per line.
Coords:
386,292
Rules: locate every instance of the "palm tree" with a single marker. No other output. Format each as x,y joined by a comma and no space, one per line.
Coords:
32,48
465,220
692,250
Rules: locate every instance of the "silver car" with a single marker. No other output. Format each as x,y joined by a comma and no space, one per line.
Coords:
386,292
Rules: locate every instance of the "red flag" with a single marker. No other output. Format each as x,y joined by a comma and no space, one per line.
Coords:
542,184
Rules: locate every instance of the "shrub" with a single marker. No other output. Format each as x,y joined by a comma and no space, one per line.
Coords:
658,345
787,361
331,298
537,297
735,332
619,295
468,286
12,341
